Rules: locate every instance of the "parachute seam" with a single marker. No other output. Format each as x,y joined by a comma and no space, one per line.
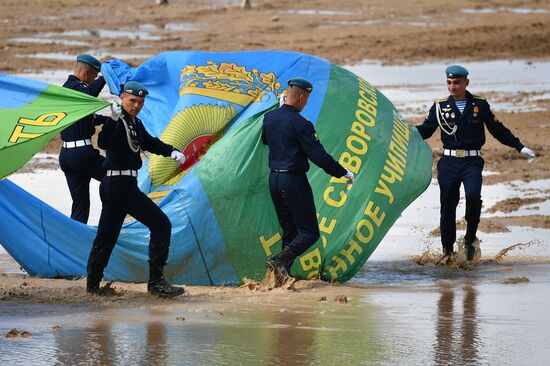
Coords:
44,231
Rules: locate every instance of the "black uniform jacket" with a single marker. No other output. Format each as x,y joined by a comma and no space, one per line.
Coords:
117,141
470,134
292,140
84,128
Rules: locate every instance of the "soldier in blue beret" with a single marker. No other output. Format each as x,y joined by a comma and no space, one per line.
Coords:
89,60
292,141
123,136
78,159
462,118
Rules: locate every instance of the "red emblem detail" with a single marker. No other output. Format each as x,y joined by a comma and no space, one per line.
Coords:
196,149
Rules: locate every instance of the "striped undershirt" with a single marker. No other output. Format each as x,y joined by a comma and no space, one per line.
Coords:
460,104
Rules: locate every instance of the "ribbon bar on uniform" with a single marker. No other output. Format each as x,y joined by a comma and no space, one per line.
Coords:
77,143
461,153
115,173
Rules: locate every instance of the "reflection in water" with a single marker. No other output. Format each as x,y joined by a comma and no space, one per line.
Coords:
93,345
292,346
108,342
155,352
444,327
469,327
456,346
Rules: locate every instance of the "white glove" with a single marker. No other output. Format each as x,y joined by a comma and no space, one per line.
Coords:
282,100
177,156
350,176
530,154
116,111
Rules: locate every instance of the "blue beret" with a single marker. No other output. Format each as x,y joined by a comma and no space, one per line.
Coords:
90,60
135,88
456,71
301,83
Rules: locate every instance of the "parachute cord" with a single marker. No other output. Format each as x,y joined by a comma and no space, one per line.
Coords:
207,270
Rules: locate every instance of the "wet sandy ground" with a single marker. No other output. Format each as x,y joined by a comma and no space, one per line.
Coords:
460,319
343,32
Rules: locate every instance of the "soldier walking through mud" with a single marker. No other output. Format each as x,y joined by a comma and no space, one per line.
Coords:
78,159
462,118
292,140
123,137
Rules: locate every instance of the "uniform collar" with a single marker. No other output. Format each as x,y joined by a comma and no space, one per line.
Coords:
468,97
289,107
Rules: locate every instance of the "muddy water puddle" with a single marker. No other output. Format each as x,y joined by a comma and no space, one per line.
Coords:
447,322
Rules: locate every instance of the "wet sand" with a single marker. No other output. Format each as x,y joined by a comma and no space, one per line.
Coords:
342,32
463,319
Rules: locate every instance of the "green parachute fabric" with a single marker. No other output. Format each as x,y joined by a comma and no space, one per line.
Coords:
32,113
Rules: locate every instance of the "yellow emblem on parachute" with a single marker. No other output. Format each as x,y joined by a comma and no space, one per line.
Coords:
192,131
227,81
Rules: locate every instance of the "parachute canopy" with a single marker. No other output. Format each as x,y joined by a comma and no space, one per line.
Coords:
224,227
32,113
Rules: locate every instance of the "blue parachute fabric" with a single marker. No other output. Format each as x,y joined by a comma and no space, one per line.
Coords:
161,76
17,92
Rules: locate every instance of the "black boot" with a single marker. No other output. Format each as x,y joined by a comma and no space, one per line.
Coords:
470,249
92,284
448,250
158,285
281,262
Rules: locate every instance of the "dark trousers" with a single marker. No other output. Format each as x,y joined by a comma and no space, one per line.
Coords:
451,173
120,195
293,200
80,165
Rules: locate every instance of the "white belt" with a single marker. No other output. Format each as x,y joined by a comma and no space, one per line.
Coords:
128,172
77,143
461,153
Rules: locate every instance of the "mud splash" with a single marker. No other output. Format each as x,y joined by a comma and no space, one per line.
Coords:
271,281
458,259
520,246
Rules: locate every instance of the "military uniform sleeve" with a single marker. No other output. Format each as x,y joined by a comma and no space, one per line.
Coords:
154,144
99,119
428,127
499,131
105,137
316,152
93,89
